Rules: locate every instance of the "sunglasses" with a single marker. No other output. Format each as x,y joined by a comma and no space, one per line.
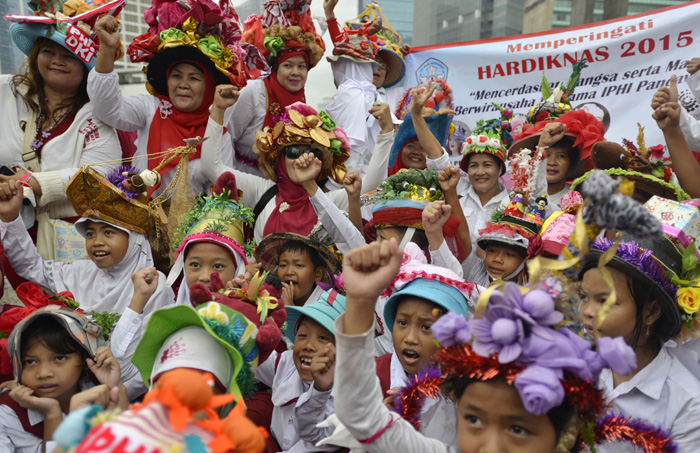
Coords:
295,152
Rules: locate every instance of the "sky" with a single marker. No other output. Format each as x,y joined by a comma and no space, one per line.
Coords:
319,84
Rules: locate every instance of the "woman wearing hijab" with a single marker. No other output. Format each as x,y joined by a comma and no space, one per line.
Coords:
191,58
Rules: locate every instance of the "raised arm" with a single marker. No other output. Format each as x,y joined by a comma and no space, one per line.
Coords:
684,164
430,144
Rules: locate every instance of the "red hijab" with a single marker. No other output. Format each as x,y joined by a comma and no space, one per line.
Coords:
293,211
277,94
398,164
169,131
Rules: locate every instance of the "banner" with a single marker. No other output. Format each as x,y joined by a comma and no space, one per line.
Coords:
628,60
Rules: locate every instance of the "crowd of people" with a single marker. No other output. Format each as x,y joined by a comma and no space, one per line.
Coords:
217,266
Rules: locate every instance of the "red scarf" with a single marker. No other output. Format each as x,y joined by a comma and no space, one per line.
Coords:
398,164
277,94
300,216
169,132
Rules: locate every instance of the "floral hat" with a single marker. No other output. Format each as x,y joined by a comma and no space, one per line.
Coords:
489,136
284,25
202,32
634,164
165,421
84,331
300,124
72,28
218,219
556,101
518,336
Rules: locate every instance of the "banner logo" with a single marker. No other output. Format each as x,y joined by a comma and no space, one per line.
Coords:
432,68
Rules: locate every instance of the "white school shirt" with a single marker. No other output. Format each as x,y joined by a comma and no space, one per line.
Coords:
664,394
288,390
135,113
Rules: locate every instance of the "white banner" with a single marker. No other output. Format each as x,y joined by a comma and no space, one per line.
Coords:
628,60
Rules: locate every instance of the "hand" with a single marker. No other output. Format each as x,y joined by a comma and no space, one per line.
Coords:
329,8
667,116
105,367
100,394
25,398
288,293
145,284
305,169
353,184
665,94
405,49
551,134
435,215
449,179
8,385
419,96
323,368
693,65
107,29
368,270
11,196
250,270
225,96
381,111
389,400
237,282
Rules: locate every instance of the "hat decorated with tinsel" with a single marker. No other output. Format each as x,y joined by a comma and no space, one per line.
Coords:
167,420
217,219
284,26
490,137
70,24
557,100
635,165
546,362
301,124
389,43
199,31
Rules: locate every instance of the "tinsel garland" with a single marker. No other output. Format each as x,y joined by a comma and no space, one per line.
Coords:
408,402
649,438
231,335
461,285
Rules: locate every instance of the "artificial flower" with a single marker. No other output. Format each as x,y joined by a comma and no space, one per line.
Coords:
540,389
689,299
451,329
617,354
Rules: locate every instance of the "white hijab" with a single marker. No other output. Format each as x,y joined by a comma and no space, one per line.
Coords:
111,289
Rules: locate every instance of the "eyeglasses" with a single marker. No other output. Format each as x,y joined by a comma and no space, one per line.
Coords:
382,65
295,152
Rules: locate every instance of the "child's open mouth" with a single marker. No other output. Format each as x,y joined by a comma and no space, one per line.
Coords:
305,362
410,356
46,388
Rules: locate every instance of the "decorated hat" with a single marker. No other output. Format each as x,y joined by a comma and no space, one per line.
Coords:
284,26
267,252
438,123
72,27
165,421
163,347
557,229
435,284
324,311
358,45
94,195
547,363
217,219
556,101
621,162
582,131
300,124
200,31
392,56
86,333
510,230
490,137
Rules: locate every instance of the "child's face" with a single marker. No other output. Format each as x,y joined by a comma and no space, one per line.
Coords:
106,245
413,156
50,374
295,267
483,172
310,338
413,339
204,258
621,319
384,234
558,163
502,261
491,417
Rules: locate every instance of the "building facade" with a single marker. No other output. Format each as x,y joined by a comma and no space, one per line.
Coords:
446,21
400,14
11,58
